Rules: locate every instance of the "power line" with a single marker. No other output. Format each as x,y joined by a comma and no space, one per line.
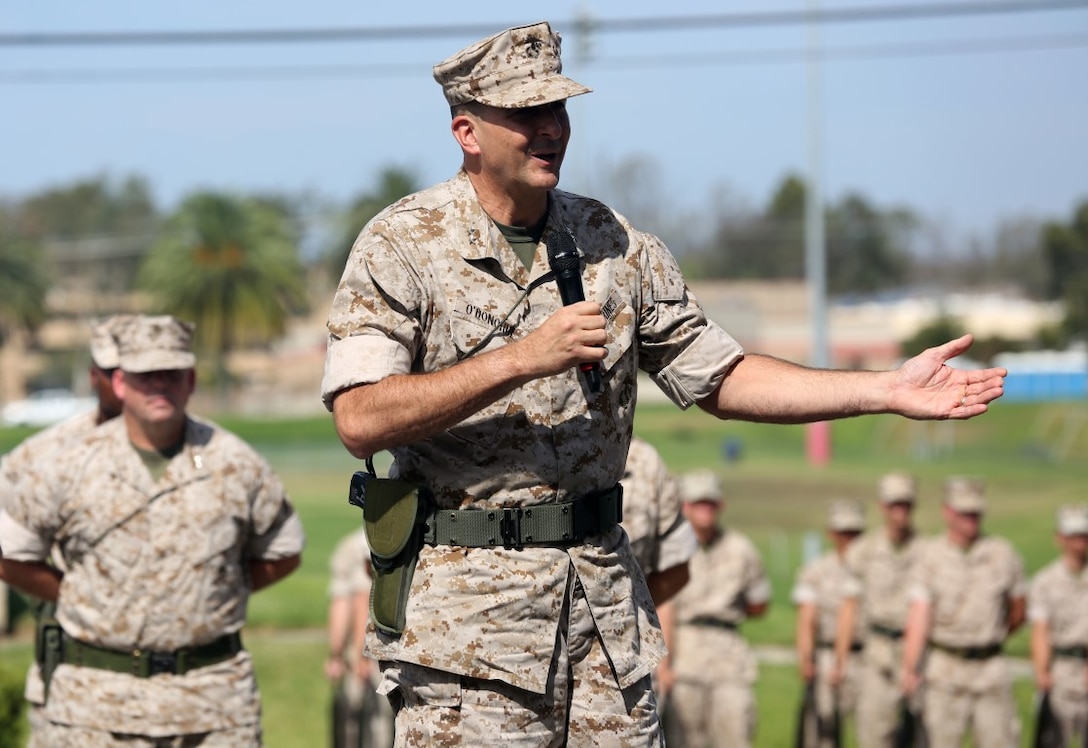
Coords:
733,58
588,25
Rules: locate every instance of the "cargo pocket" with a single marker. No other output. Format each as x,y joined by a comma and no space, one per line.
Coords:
426,687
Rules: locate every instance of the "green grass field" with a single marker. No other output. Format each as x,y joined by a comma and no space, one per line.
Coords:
1033,457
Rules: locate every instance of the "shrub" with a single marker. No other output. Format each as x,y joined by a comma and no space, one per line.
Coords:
11,707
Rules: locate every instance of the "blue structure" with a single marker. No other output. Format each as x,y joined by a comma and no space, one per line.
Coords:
1045,375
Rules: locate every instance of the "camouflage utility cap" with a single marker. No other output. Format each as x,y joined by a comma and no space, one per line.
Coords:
159,343
701,485
103,345
845,516
1073,520
897,487
516,68
965,495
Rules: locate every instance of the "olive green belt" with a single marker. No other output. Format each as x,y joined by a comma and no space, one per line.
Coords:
984,652
560,523
854,646
886,631
711,622
1074,652
144,664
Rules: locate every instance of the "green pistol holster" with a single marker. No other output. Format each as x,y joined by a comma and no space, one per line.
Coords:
48,641
394,513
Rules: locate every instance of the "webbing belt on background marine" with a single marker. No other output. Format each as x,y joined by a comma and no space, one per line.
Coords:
711,622
854,646
886,631
1074,652
144,664
983,652
561,523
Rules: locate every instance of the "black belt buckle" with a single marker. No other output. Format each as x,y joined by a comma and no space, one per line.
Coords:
510,528
162,662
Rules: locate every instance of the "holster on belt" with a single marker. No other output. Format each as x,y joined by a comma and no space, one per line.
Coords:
394,512
48,641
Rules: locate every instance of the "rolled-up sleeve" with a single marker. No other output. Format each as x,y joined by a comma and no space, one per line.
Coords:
284,540
362,359
677,546
276,528
698,370
374,321
18,543
686,355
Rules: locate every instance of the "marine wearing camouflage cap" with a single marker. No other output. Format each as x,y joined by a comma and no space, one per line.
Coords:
154,343
965,495
515,68
845,516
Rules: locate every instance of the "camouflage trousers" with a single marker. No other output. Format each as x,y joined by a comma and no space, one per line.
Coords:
834,700
361,717
961,695
584,705
712,714
879,693
1071,710
56,735
38,723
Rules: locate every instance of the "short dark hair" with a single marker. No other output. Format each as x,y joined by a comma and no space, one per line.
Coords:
468,107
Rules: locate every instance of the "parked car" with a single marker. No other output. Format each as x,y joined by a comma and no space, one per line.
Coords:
46,407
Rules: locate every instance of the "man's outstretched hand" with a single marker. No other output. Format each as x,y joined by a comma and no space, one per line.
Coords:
926,388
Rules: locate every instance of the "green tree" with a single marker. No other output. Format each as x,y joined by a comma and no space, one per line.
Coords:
767,245
861,255
393,184
1066,250
231,265
937,332
89,207
93,231
24,283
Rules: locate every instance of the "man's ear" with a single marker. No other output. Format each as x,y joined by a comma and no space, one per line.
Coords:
118,383
463,127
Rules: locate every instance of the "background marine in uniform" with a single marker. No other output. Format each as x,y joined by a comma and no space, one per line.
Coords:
881,560
967,596
1058,615
361,717
661,537
44,447
165,525
710,666
822,585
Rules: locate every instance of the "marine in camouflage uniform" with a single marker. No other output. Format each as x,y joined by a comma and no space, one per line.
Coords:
164,524
881,560
44,447
710,664
822,585
361,716
1058,613
967,595
450,346
661,538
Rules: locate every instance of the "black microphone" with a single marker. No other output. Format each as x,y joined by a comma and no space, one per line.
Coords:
565,263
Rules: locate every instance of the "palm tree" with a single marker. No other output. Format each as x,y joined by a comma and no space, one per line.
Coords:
393,184
232,266
24,283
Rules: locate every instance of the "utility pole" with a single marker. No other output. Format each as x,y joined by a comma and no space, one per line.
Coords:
818,435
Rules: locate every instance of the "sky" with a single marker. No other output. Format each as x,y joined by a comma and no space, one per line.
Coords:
968,120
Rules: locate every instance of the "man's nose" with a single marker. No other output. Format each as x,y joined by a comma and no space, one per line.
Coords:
550,123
